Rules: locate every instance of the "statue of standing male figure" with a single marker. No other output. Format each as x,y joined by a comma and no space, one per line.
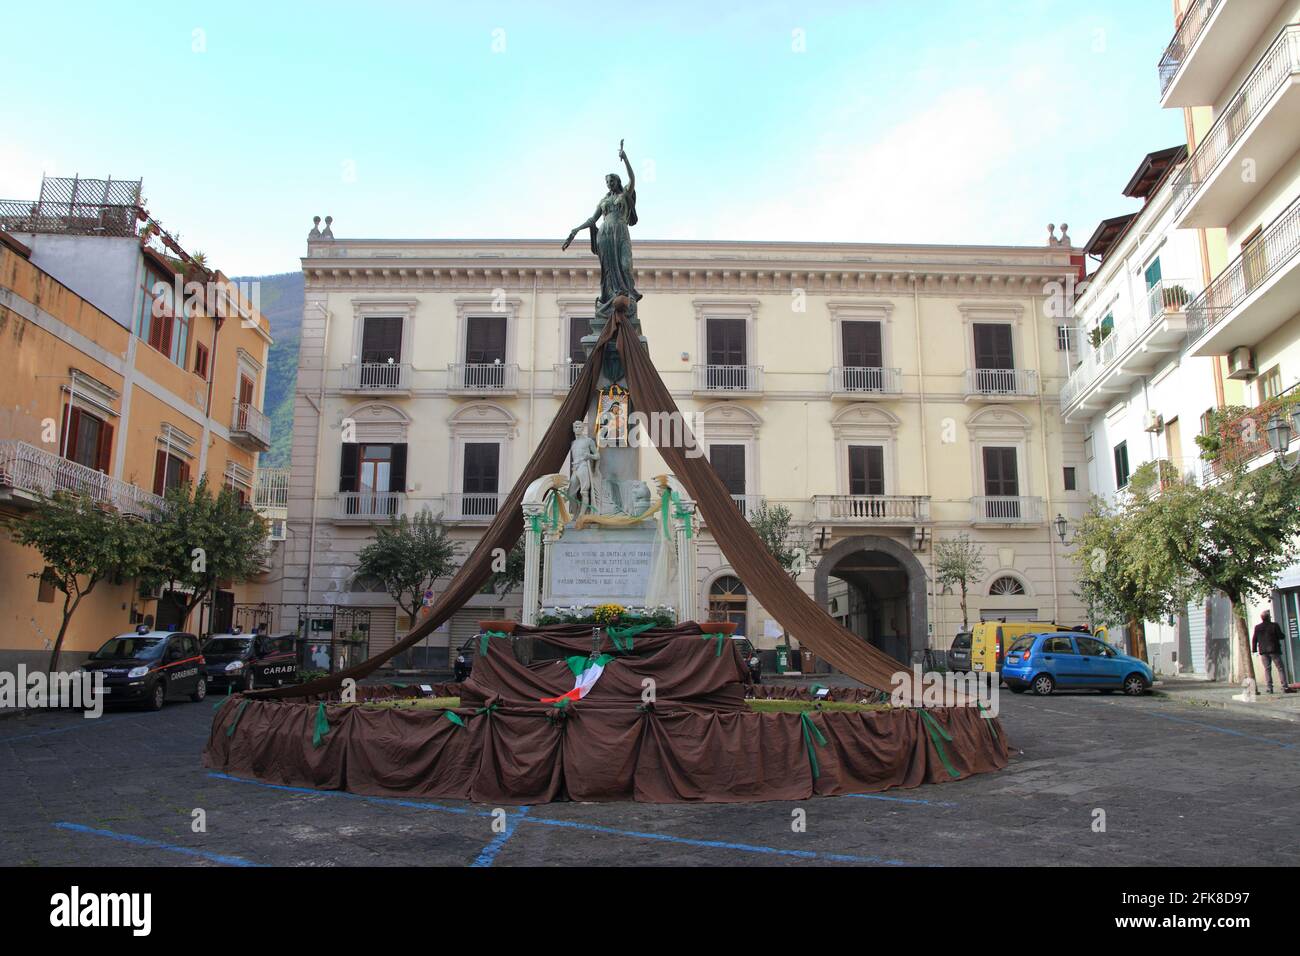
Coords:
583,459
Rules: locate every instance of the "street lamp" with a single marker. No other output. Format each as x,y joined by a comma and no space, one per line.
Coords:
1060,524
1279,432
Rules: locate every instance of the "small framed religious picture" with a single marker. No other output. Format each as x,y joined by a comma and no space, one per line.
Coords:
612,410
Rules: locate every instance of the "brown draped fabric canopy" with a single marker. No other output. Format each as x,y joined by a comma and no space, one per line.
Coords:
763,576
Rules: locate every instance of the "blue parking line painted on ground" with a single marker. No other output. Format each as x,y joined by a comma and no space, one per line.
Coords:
492,849
521,816
156,844
1225,730
714,844
915,800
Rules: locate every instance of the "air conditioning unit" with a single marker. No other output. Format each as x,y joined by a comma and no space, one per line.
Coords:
1153,421
1241,364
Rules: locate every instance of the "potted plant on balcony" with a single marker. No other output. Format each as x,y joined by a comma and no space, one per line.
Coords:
1175,297
1098,335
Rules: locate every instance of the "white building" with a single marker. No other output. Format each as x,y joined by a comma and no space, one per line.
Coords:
887,395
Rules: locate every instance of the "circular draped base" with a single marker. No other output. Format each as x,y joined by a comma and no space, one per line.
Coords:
503,753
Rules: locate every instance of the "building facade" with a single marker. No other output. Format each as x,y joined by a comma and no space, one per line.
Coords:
1233,66
107,395
887,395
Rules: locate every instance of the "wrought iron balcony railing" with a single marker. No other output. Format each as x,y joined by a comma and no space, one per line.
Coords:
1189,29
40,473
728,378
849,378
1275,69
472,506
271,489
1271,251
1006,509
482,377
377,376
992,382
370,505
248,420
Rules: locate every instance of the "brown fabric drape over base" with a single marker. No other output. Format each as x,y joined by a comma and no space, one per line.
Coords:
763,576
693,741
510,756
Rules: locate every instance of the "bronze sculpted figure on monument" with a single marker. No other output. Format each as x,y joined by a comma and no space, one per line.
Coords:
612,243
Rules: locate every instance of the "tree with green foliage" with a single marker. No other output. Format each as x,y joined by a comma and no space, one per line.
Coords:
958,562
407,557
787,545
82,542
1234,536
1120,581
201,538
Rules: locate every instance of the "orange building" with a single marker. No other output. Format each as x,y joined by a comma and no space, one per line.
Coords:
130,367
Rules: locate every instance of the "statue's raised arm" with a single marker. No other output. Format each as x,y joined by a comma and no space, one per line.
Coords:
612,243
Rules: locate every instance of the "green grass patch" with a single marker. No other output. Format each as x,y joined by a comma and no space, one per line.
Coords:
413,703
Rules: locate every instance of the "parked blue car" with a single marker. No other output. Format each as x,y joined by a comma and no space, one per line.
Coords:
1044,662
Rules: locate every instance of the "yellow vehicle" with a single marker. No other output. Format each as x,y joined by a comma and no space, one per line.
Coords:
990,640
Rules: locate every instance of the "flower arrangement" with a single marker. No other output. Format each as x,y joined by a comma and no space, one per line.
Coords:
661,615
606,614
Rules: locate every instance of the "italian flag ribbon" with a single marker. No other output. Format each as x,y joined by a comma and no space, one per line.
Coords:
586,671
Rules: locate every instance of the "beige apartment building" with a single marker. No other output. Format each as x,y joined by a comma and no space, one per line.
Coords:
889,396
117,388
1233,66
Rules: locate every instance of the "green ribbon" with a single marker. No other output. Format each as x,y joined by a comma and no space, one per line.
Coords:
322,726
455,718
937,736
989,721
621,637
483,641
554,509
719,642
535,523
239,712
490,709
673,499
811,733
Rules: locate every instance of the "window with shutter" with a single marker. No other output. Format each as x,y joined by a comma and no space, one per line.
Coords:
579,325
480,478
381,339
1001,481
726,354
485,346
866,470
729,462
994,358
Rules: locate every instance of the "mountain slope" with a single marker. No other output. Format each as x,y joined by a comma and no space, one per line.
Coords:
281,303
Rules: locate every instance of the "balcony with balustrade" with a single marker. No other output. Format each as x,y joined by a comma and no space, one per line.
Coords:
477,379
897,511
368,507
1208,45
863,383
29,474
1133,347
1000,510
727,381
1253,137
1000,384
249,427
377,378
1255,295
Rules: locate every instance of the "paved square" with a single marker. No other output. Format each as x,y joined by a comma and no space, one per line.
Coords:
1179,785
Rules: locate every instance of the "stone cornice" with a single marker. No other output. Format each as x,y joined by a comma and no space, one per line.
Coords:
583,276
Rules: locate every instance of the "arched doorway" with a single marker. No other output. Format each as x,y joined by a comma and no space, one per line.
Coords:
875,587
728,600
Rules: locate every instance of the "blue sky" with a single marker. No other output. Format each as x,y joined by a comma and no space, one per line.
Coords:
974,121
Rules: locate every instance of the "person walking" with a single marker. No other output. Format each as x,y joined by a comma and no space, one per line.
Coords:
1267,643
